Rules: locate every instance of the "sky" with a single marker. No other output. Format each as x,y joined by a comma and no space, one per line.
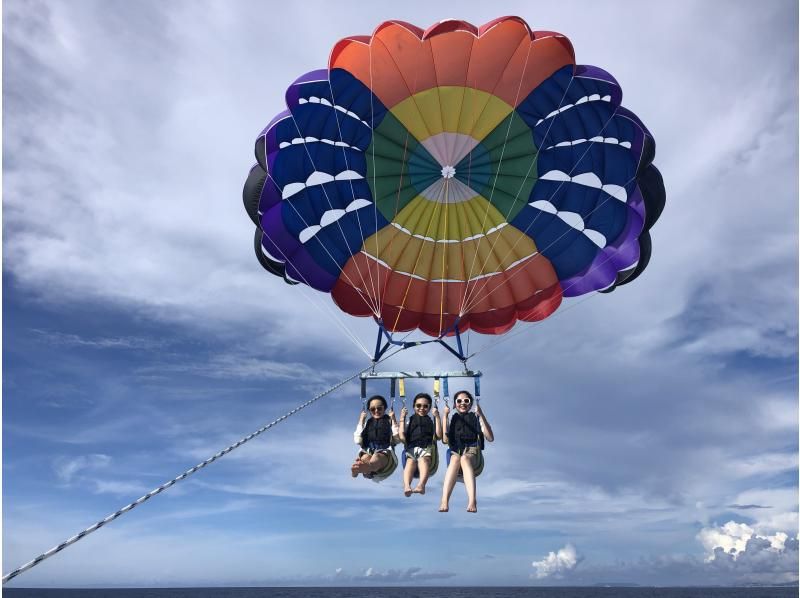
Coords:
649,435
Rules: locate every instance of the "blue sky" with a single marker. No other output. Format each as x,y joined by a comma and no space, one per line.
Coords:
638,434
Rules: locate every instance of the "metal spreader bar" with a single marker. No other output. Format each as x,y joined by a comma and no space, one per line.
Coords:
417,374
400,377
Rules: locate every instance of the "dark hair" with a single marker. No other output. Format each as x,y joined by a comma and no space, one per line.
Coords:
464,392
377,398
424,395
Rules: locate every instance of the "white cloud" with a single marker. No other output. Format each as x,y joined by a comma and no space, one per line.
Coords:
733,539
738,551
119,487
67,469
74,340
766,463
407,575
557,564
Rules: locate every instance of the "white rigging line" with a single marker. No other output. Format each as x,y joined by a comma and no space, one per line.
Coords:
531,325
92,528
338,223
321,306
353,192
489,204
406,157
300,216
475,299
469,295
507,279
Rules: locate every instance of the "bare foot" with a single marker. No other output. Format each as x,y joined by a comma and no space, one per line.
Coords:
472,509
443,508
419,490
407,491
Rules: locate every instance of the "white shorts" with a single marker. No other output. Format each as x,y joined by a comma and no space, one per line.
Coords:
419,452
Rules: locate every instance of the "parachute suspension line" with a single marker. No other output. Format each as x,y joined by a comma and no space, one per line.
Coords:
406,157
353,193
516,196
496,176
92,528
508,336
336,321
552,195
413,272
445,209
382,290
321,306
469,183
444,254
597,207
374,177
464,142
558,313
303,220
338,223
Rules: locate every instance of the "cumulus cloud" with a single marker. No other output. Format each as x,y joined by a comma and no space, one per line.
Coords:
732,539
557,564
742,553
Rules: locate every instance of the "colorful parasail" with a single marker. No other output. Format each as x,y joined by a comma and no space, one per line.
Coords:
455,178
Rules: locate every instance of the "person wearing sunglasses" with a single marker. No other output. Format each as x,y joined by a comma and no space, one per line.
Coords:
419,436
376,436
464,434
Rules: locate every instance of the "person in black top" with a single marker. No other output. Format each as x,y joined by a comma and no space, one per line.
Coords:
464,434
419,435
376,436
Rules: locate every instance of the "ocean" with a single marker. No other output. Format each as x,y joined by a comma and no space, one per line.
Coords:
411,592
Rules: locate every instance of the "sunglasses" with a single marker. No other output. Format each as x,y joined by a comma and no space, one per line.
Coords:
422,406
463,401
379,408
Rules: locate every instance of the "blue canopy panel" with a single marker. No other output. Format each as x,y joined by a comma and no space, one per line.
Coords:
318,166
586,167
334,106
332,220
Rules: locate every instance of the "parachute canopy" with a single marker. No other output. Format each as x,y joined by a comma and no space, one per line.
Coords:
457,177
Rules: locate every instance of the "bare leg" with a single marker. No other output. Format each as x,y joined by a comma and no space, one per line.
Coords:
408,475
377,462
469,483
361,464
424,474
449,481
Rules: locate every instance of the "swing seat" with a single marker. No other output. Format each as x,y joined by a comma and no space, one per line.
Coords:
434,460
478,464
382,474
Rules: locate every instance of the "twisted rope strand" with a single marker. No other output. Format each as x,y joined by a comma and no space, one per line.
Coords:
185,474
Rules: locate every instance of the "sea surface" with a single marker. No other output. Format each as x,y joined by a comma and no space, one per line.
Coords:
409,592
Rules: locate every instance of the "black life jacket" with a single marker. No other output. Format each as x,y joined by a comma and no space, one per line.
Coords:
377,433
464,430
419,431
